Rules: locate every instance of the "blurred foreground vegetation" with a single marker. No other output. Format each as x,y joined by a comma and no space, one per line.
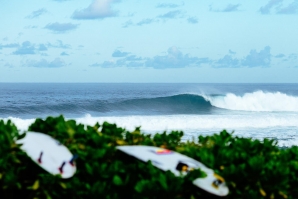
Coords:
252,168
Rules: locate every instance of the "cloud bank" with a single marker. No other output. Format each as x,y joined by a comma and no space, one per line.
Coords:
28,48
253,59
174,58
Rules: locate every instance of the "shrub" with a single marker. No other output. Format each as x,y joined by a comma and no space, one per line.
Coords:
251,168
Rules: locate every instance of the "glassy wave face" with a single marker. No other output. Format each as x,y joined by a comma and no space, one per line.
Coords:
258,111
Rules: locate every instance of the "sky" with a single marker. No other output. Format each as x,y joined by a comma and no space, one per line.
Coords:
175,41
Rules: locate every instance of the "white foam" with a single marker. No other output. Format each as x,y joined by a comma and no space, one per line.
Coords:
256,101
22,124
181,122
282,126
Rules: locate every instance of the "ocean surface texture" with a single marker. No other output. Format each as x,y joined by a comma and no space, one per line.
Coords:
250,110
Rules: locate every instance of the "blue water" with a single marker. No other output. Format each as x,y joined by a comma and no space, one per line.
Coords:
250,110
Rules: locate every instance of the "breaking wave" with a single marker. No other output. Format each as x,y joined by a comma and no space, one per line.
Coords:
256,101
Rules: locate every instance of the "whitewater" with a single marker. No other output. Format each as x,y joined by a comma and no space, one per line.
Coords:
257,111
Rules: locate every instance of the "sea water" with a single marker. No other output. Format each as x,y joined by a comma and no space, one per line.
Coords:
249,110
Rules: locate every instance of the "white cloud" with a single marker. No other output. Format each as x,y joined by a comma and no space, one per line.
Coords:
98,9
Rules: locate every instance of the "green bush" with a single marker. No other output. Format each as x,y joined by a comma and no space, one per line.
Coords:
251,168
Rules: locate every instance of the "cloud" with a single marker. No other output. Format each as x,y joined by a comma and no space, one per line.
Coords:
231,8
98,9
56,63
253,59
140,23
61,27
267,8
28,48
232,52
42,47
95,65
145,22
8,65
118,53
37,13
279,55
173,59
256,59
228,8
192,20
59,44
12,45
127,24
171,14
31,27
25,49
167,5
226,62
290,9
64,54
108,64
133,58
293,56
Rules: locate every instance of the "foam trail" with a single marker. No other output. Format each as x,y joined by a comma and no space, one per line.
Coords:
283,127
256,101
182,122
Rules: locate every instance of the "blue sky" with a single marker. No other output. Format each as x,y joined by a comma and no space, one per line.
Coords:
224,41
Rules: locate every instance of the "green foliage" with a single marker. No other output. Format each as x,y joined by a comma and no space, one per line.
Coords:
251,168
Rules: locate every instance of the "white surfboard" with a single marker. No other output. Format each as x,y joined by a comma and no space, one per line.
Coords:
178,164
49,154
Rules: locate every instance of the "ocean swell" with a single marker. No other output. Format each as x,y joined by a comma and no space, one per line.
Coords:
258,101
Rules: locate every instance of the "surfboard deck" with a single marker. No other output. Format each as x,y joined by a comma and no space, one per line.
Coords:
49,154
179,164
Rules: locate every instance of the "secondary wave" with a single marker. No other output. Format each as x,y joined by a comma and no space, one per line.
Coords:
256,101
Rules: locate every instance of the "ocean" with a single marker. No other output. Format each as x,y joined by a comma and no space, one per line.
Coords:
249,110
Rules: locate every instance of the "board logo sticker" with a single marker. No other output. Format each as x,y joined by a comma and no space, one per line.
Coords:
163,151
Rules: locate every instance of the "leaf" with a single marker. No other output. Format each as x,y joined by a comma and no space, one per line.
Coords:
35,186
282,194
120,142
63,185
263,193
117,180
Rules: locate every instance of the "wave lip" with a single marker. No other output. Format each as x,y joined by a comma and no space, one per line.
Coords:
256,101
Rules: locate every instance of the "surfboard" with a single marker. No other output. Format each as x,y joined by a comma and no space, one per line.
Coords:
49,154
179,164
